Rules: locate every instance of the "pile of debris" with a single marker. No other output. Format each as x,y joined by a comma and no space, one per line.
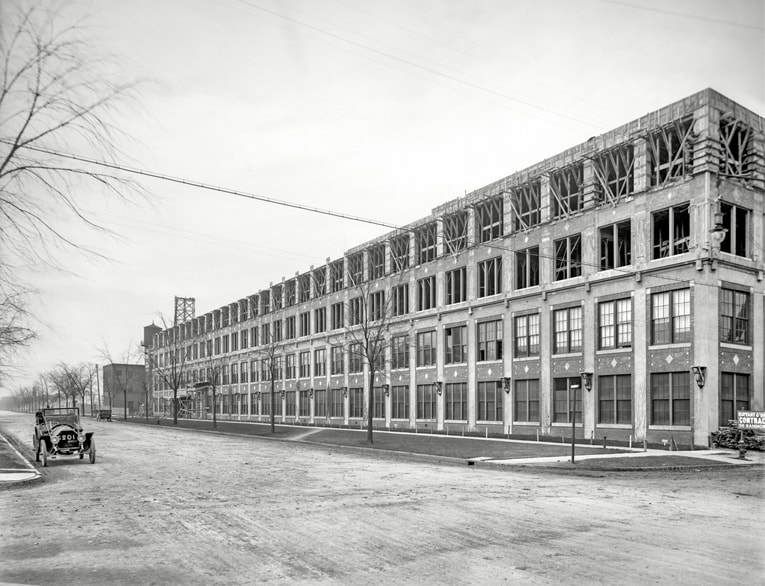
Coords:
728,437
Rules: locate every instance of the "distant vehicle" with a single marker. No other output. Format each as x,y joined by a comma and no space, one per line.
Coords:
58,433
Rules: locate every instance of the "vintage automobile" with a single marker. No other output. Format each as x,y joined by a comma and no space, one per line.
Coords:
58,433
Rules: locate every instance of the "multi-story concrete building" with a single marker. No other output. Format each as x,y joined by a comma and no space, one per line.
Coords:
124,388
624,275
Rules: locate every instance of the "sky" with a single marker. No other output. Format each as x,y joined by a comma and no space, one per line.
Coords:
378,110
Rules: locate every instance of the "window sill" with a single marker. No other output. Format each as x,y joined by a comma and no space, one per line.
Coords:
567,354
614,425
734,346
669,346
615,350
534,423
669,428
525,358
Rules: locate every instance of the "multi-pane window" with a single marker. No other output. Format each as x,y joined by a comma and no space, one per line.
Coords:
455,232
671,398
377,305
671,317
734,316
568,257
277,330
426,293
527,335
670,152
356,402
265,400
290,400
568,330
489,401
615,324
489,340
734,396
566,190
305,404
671,231
224,374
400,300
243,339
615,245
455,340
567,395
376,256
253,404
253,371
526,400
426,402
355,358
490,277
305,364
320,362
277,297
243,372
399,252
336,275
527,268
289,328
337,403
265,333
455,401
615,399
425,241
320,403
456,285
265,370
224,340
291,370
399,352
355,311
735,220
399,402
234,373
426,348
356,268
278,408
337,363
265,302
337,315
526,202
320,320
378,403
488,216
305,323
254,336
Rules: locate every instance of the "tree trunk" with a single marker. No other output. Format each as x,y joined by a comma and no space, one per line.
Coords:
215,409
175,406
370,404
273,406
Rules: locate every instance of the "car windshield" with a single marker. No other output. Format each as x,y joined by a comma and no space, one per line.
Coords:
68,418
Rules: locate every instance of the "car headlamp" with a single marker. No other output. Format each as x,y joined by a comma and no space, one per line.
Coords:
55,439
81,437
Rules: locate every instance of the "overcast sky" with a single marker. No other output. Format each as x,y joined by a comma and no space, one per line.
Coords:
382,110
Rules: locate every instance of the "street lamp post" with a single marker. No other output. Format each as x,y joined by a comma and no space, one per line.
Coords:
572,391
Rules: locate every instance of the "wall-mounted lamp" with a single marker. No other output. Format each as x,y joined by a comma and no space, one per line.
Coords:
386,390
310,393
506,384
282,393
586,380
439,387
345,392
700,374
257,396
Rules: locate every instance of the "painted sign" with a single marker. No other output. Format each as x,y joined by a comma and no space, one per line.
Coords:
751,419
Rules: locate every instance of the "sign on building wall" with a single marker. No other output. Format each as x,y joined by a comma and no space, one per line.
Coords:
751,419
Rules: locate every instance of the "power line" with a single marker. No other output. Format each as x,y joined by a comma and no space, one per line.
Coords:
201,185
683,14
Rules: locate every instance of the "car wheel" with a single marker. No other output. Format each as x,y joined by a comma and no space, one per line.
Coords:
92,452
43,453
36,447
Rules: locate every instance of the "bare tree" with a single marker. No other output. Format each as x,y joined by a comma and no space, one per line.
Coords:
79,380
62,384
171,362
123,378
212,371
57,98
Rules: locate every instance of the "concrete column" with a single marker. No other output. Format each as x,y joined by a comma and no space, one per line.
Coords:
706,333
640,383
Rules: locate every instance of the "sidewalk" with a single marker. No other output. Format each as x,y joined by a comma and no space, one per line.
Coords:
14,467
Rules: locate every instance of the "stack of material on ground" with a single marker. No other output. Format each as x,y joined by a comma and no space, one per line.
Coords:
728,437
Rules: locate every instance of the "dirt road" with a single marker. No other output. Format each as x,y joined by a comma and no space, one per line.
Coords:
167,506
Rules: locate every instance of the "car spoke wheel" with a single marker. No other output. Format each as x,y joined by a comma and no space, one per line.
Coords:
43,453
36,447
92,452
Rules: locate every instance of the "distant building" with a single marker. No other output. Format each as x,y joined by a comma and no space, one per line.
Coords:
624,276
123,381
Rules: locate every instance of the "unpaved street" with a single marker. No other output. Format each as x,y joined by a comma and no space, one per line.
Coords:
167,506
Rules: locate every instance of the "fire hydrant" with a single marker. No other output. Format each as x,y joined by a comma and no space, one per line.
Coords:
741,447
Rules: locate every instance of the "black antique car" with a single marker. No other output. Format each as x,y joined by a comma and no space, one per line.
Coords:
58,433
